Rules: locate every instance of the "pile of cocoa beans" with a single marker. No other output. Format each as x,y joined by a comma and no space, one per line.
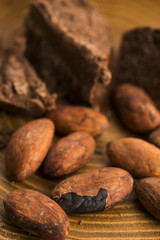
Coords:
94,191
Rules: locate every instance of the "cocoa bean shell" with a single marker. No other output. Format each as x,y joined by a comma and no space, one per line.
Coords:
93,191
27,148
69,154
70,119
148,193
136,109
137,156
37,214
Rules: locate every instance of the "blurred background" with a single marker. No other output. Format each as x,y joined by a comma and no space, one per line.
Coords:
121,14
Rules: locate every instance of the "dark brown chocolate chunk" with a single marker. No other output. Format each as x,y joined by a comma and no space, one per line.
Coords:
93,191
138,60
21,90
70,46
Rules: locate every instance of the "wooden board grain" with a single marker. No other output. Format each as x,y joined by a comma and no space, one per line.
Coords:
121,14
128,220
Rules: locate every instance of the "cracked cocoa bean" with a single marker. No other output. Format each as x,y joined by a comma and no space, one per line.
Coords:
93,191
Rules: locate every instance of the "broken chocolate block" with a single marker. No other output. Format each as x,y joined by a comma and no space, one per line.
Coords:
21,90
138,60
70,45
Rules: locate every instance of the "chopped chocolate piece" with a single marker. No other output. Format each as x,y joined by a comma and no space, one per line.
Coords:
21,89
138,60
70,45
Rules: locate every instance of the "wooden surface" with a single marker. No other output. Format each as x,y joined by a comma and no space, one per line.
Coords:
126,221
121,14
